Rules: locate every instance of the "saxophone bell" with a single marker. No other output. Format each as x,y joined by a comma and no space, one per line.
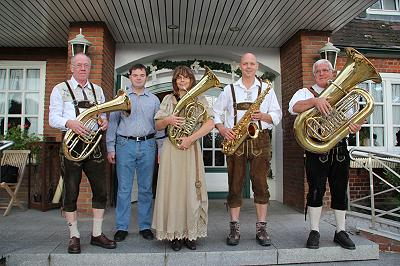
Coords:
253,130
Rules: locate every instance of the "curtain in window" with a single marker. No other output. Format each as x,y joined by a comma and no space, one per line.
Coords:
2,79
16,77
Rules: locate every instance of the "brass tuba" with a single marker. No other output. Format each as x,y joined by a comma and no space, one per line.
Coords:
76,147
318,133
193,111
246,127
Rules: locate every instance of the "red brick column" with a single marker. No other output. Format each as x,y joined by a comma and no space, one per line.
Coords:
297,57
102,54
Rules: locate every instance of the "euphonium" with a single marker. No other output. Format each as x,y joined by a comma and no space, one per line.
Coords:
193,111
76,147
318,133
245,127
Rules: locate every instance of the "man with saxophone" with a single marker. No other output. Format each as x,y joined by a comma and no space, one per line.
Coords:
333,165
68,99
229,110
132,147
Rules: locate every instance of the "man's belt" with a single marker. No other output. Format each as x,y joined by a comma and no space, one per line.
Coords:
150,136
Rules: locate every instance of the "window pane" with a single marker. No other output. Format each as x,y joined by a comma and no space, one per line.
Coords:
352,140
364,136
219,158
31,124
2,79
207,157
396,136
2,119
14,122
31,103
218,140
378,114
15,103
207,140
377,92
16,77
377,5
389,5
32,79
396,114
2,103
395,93
379,136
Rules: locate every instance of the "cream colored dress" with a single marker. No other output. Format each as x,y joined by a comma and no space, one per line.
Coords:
180,209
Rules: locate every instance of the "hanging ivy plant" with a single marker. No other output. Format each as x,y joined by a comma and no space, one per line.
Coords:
168,64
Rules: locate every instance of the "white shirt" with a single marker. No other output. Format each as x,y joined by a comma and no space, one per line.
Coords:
62,108
223,107
303,94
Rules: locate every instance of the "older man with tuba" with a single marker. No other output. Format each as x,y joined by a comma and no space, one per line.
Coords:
332,165
68,99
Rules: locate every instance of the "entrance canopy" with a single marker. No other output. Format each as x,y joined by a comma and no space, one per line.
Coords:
248,23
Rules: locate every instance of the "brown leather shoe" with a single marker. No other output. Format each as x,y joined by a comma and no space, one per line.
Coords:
74,245
103,241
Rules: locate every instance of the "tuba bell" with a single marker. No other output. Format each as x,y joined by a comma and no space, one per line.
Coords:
318,133
76,147
193,111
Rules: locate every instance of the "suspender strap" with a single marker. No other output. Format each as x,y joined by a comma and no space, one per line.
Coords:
73,98
311,89
259,91
94,94
234,105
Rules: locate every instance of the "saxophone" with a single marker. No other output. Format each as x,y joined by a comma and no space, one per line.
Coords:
245,127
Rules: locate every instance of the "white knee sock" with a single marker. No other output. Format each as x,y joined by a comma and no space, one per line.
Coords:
73,229
97,224
340,217
314,214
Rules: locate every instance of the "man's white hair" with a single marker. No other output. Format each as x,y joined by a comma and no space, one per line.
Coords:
322,62
73,59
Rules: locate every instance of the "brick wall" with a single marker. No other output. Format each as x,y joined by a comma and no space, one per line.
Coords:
297,57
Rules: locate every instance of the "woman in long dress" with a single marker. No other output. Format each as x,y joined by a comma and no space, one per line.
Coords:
181,204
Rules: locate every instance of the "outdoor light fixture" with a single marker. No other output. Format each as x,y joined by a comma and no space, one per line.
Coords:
79,44
329,52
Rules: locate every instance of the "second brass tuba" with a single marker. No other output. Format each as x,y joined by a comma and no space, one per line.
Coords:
193,111
318,133
76,147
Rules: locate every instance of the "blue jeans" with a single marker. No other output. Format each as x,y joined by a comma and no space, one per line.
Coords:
134,156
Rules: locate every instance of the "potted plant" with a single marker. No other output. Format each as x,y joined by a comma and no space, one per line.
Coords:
24,141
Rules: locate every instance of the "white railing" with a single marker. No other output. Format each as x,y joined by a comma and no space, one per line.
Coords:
369,160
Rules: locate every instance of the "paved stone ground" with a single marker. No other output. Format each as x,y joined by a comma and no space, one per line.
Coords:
40,238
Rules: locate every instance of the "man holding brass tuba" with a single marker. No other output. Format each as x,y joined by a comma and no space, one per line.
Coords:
333,165
231,107
181,204
131,146
67,100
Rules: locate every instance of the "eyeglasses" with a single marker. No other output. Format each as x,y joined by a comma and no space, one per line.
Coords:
85,66
322,71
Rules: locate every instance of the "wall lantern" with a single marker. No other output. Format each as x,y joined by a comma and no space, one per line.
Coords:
329,52
79,44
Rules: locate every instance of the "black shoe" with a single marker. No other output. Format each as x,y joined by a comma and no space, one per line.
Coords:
190,244
176,244
103,241
313,240
120,235
343,239
234,234
147,234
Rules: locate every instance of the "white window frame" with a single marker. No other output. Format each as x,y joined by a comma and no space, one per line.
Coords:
384,11
24,65
389,146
